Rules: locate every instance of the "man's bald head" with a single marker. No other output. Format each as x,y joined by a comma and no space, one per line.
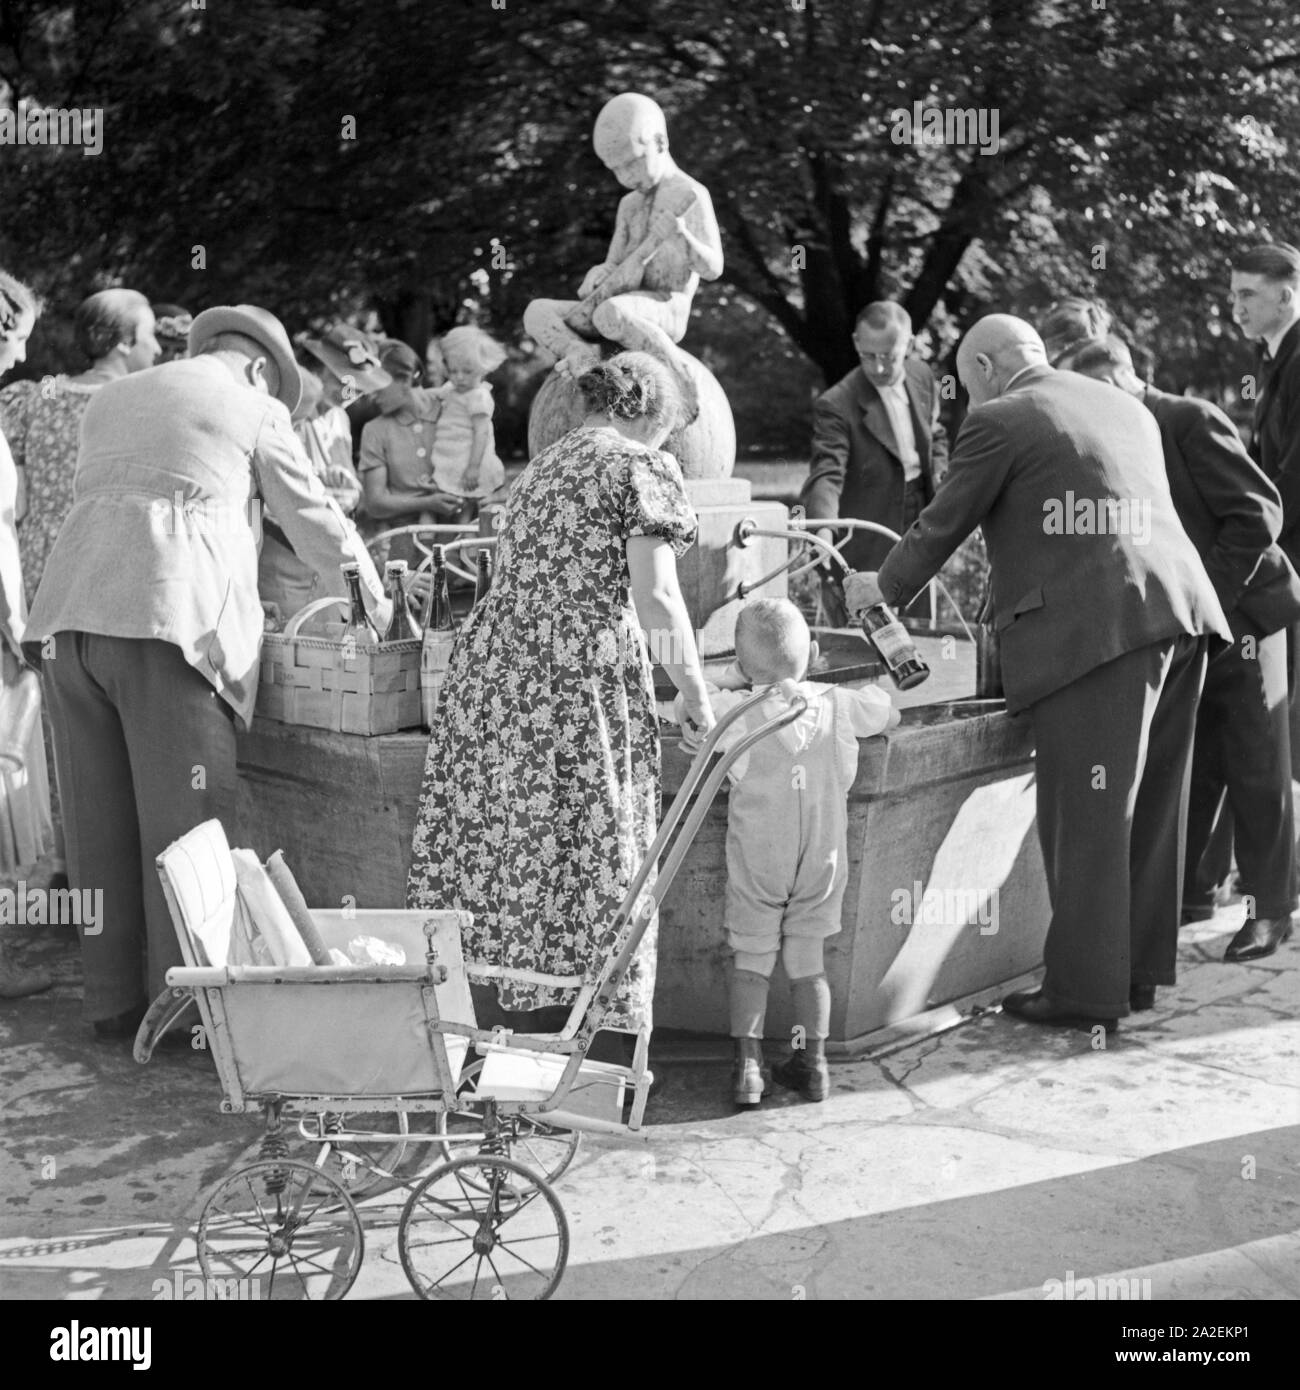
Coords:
995,349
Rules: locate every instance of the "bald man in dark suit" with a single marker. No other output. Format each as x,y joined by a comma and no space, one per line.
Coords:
1104,610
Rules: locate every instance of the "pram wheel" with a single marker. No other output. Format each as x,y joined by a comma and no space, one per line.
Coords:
528,1139
287,1228
483,1227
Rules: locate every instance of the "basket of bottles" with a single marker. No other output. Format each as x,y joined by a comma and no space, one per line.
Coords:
342,675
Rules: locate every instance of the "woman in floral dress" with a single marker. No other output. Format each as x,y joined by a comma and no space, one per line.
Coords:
42,419
25,830
541,786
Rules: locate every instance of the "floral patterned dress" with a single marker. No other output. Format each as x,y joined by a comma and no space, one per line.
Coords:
26,829
541,786
43,427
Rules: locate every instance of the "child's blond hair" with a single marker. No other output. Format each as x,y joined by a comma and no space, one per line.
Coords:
772,641
489,353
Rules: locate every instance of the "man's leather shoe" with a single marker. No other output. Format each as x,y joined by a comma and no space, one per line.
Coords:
1258,937
1035,1006
1141,998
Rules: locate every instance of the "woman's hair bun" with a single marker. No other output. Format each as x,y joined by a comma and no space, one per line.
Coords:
629,386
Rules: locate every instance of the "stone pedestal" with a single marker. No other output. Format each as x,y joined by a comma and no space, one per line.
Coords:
712,570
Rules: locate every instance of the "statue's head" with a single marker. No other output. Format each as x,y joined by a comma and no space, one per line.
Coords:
631,139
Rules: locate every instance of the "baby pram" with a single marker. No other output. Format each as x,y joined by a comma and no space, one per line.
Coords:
355,1054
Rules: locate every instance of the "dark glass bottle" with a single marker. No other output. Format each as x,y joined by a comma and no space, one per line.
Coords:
360,631
439,637
894,645
483,575
988,664
401,626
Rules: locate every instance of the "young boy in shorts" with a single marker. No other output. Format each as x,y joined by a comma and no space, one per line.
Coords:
787,839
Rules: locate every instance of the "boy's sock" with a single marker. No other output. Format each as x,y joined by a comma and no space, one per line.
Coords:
748,1001
805,1070
811,1001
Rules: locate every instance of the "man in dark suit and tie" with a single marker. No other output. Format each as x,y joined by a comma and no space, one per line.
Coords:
1104,609
878,447
1233,514
1266,307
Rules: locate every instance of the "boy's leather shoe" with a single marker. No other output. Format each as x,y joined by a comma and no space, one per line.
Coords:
750,1081
810,1076
1258,937
1036,1006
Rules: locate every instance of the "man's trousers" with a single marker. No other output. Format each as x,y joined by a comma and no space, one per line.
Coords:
144,749
1113,765
1243,744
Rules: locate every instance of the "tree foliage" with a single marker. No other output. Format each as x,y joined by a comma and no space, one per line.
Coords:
430,159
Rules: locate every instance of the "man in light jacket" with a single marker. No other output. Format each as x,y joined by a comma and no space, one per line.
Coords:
148,624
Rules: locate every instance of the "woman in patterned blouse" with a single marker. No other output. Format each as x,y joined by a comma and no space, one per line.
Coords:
42,419
541,785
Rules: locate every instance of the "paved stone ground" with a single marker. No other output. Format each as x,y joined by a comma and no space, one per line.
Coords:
982,1162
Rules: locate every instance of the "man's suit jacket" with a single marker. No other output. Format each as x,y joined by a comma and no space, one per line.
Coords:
161,541
1231,512
1275,440
1073,583
856,471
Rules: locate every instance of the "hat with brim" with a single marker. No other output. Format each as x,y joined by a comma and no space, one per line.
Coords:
263,328
351,356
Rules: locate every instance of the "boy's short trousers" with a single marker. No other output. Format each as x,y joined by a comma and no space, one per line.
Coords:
756,925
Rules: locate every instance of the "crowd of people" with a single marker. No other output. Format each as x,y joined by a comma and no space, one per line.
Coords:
1150,639
363,416
1156,661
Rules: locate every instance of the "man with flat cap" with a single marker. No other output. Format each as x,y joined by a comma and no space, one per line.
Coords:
1105,613
148,625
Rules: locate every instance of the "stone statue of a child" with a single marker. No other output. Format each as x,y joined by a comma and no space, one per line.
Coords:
665,241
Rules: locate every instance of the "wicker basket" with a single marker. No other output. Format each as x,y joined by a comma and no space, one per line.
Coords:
315,681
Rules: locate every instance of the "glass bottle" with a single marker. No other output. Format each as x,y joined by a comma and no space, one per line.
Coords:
360,631
988,664
894,645
439,637
483,575
401,626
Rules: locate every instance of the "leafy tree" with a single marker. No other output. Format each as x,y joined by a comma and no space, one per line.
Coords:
433,161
